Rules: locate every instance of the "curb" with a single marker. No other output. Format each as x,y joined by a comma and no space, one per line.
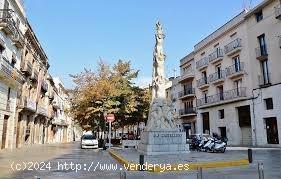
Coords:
180,167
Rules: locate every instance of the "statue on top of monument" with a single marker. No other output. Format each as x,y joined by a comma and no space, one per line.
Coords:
161,110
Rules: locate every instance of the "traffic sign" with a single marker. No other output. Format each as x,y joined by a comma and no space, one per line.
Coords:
110,117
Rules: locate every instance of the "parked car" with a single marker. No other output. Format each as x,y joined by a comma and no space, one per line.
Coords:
89,141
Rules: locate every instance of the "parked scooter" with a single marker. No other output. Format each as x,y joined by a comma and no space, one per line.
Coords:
216,144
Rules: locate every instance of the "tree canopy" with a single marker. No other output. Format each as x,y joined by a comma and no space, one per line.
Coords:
108,90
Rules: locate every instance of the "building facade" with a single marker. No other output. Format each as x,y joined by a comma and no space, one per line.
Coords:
237,78
12,27
28,93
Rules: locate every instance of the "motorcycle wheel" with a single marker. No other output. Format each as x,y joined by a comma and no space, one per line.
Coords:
223,150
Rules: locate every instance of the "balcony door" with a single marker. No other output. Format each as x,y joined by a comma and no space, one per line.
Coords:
188,105
220,92
262,44
204,76
265,74
237,86
236,62
187,88
219,73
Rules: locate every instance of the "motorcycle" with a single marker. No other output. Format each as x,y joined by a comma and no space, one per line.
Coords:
216,145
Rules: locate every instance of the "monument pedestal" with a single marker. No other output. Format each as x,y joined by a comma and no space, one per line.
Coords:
163,142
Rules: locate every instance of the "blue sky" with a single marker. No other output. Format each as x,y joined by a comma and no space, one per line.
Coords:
75,34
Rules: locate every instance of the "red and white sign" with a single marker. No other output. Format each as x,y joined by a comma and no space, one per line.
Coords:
110,117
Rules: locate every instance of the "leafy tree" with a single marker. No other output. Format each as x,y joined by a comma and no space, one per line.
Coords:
108,90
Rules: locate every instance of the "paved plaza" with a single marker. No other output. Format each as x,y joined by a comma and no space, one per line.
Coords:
91,163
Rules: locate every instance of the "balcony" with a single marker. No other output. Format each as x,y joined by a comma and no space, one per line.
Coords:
51,95
56,104
42,111
216,56
278,12
235,70
187,112
217,77
203,63
44,86
264,80
203,83
190,92
233,47
261,53
187,75
18,39
34,76
28,104
9,74
222,98
6,21
27,69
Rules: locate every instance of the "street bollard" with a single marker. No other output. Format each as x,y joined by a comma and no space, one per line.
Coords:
261,170
123,175
141,163
199,173
250,155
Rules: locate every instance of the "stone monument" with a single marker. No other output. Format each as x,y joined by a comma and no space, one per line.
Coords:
161,135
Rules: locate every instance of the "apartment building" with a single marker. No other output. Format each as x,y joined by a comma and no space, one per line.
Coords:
62,121
264,38
12,27
32,118
186,95
237,78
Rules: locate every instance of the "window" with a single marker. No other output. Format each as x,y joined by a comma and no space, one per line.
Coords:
223,132
259,16
262,45
221,114
9,94
237,65
268,103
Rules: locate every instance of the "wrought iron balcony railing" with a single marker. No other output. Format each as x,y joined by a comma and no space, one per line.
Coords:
187,111
236,68
10,71
264,80
261,52
202,81
223,96
27,68
18,39
233,45
42,111
278,12
188,91
204,61
218,53
44,86
34,76
217,76
6,21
